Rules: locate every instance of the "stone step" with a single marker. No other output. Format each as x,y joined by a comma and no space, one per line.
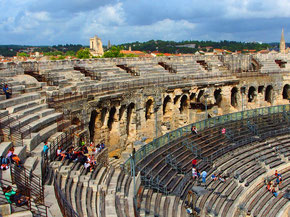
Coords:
38,124
21,152
33,109
22,106
19,99
21,214
30,163
4,147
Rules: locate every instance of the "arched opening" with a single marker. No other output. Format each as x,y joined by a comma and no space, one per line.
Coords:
111,117
183,103
269,94
286,92
192,96
260,89
176,99
129,116
200,94
165,104
251,94
234,97
218,97
254,67
148,109
103,115
94,115
121,111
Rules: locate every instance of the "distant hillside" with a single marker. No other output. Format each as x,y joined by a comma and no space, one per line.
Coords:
149,46
193,46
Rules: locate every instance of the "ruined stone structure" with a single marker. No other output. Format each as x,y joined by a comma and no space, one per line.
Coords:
125,103
154,100
96,46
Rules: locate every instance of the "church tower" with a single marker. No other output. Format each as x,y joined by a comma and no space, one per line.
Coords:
282,43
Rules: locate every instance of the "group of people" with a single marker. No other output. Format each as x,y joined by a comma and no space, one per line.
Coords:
196,174
85,154
13,196
11,157
272,187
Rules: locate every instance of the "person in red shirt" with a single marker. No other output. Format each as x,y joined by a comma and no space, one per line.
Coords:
194,161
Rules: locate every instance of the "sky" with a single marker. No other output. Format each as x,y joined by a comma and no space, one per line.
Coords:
52,22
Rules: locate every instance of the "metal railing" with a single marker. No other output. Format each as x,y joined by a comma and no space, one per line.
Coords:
65,206
24,178
175,135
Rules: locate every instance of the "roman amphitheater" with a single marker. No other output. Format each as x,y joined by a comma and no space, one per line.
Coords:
143,110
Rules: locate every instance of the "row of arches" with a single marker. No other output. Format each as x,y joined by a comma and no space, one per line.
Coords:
252,93
181,102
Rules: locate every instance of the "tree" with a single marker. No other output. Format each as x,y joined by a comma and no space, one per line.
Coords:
84,53
22,54
113,52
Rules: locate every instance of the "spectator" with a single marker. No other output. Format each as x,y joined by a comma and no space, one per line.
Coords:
194,173
214,177
15,159
9,193
102,146
45,149
6,91
4,163
10,153
20,199
223,130
203,176
274,192
222,178
87,166
194,130
193,162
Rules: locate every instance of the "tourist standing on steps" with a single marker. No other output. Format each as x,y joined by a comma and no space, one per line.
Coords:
194,130
203,176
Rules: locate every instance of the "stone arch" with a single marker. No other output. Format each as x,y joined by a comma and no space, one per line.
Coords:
167,100
251,94
94,115
176,98
111,119
234,97
130,109
121,111
183,103
286,91
149,109
103,115
269,94
218,97
200,94
192,96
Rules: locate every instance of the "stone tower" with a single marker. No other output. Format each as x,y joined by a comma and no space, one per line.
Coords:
282,43
109,45
96,46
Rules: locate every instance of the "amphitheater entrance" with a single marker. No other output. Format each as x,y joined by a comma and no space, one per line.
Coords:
269,94
252,94
183,104
149,109
286,92
129,117
218,97
167,105
234,97
112,118
94,115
